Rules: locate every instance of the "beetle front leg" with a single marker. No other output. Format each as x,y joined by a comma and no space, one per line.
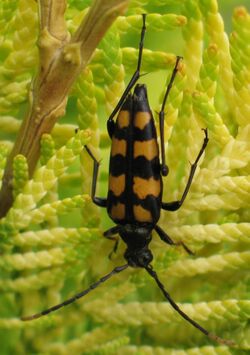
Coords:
175,205
166,239
101,202
109,234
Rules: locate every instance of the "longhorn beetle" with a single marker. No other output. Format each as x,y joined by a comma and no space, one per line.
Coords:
134,198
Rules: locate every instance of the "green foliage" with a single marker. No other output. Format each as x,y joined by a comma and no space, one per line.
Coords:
51,239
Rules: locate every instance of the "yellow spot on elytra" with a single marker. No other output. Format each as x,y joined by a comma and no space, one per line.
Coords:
119,146
149,149
144,187
123,119
142,215
142,119
118,211
117,184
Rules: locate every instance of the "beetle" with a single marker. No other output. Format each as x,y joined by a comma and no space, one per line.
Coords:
134,199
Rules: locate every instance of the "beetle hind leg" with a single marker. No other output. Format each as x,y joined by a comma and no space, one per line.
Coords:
164,167
132,82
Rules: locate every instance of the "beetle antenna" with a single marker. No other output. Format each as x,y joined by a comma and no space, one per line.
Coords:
116,270
214,337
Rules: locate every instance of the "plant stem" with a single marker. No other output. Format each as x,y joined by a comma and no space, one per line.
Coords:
61,60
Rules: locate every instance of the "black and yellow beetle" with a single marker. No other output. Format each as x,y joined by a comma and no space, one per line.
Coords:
134,200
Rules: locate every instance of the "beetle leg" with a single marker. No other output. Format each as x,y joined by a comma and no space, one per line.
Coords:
133,80
109,234
164,168
101,202
175,205
166,238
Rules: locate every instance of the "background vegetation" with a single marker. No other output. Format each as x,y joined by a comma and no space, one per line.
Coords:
51,238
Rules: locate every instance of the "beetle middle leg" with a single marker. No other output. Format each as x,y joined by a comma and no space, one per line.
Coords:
101,202
166,238
175,205
109,234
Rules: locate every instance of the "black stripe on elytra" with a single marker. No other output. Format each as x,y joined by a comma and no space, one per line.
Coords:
150,203
147,202
140,99
145,134
145,168
129,167
121,133
117,165
113,199
128,104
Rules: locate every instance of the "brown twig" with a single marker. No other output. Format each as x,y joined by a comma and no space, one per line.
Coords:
61,60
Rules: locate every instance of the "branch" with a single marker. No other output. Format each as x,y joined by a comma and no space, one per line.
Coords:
61,61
